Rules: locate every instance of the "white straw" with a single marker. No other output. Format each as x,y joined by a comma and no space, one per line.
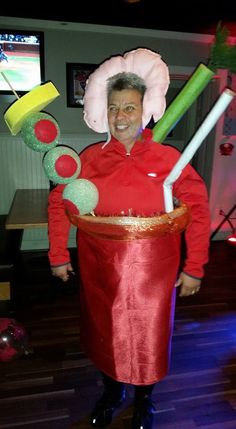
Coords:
204,129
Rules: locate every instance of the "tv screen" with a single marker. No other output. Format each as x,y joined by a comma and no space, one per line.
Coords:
21,60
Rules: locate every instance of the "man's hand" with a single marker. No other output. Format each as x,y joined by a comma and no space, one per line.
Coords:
188,285
63,271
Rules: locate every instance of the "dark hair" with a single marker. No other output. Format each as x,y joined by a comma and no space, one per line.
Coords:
125,80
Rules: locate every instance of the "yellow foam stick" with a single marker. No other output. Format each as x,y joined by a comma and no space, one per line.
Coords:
32,102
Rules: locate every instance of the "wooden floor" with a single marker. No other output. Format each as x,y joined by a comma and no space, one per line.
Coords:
55,385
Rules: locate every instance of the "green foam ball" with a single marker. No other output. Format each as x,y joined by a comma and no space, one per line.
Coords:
61,165
80,197
40,132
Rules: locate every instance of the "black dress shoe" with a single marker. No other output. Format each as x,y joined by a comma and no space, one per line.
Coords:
143,414
102,413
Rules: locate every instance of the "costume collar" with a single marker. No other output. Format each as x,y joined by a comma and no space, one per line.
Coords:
141,144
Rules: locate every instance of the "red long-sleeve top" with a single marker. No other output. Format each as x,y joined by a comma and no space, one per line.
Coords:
132,184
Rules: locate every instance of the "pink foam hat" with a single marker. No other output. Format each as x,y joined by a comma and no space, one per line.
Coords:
141,61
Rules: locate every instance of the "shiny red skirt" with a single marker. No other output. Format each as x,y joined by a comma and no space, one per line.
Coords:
128,295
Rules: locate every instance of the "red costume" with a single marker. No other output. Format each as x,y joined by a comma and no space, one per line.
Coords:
127,291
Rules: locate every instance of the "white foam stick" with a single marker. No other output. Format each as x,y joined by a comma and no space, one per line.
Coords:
204,129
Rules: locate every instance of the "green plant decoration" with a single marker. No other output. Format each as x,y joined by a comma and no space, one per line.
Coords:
222,55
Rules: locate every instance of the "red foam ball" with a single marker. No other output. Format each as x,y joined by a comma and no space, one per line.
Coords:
65,166
45,131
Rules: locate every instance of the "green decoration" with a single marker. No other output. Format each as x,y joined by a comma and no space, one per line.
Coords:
61,160
80,197
49,132
189,93
222,55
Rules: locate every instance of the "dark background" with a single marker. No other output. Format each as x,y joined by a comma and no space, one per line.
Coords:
191,17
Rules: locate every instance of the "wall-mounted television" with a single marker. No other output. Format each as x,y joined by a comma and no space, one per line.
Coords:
21,60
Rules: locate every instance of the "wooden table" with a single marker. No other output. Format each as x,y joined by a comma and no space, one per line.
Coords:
28,209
